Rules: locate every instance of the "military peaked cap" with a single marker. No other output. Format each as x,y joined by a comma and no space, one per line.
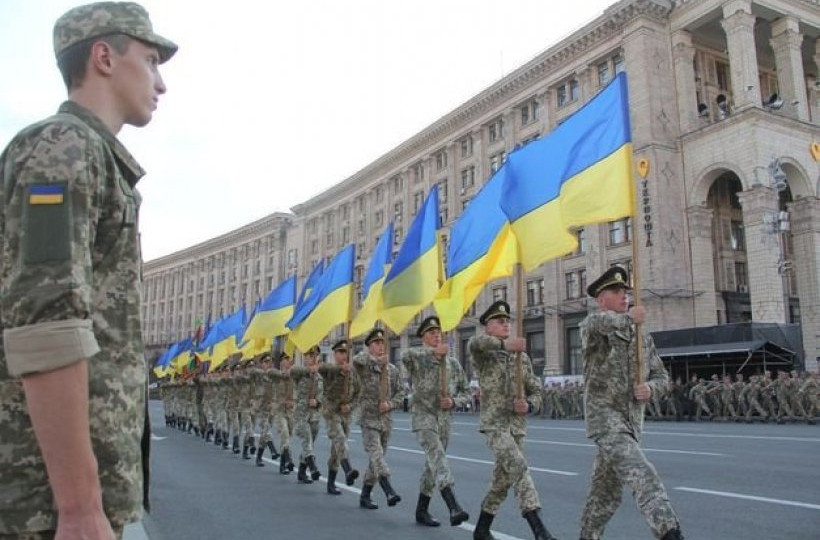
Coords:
105,19
428,324
376,333
614,277
314,351
497,309
340,345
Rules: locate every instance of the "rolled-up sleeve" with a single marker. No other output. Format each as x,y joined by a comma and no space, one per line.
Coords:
47,346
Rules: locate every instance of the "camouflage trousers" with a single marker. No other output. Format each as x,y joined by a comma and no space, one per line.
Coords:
283,422
49,535
338,430
620,461
233,421
510,470
700,405
783,408
221,419
375,444
248,425
265,426
797,405
307,429
436,473
752,407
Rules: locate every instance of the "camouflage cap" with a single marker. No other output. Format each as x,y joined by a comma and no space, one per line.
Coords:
105,19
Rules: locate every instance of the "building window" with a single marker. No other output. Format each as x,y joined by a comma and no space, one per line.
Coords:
620,231
741,277
618,63
314,226
496,161
397,237
496,130
722,75
500,293
581,236
441,160
418,172
314,247
568,92
582,282
535,292
379,194
345,211
361,226
442,191
418,199
467,146
572,285
467,177
529,112
738,238
345,235
379,218
604,73
443,216
561,95
398,184
398,210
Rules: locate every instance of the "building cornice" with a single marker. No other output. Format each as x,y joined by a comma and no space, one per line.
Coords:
459,122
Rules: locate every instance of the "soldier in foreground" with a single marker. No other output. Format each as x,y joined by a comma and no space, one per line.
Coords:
342,388
615,410
504,418
283,409
381,393
309,390
432,412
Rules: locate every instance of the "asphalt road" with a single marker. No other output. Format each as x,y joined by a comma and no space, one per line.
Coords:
726,481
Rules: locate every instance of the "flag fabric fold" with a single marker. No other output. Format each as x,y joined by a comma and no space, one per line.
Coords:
579,174
414,277
328,303
367,316
482,248
273,313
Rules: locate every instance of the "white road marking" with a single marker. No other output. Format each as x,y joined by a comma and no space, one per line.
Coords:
157,437
467,526
484,461
658,450
729,494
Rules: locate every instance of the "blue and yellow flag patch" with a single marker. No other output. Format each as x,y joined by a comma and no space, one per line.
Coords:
46,194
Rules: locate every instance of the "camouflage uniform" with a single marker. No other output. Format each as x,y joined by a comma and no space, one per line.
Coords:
376,426
340,388
614,420
283,406
697,394
503,428
308,386
430,422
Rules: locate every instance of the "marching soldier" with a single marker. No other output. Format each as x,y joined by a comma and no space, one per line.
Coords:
381,393
262,383
309,389
503,418
342,388
283,407
697,394
439,385
615,410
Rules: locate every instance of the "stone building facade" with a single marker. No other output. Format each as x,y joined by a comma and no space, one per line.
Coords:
725,104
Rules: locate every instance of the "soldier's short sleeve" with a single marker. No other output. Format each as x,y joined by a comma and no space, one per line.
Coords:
50,213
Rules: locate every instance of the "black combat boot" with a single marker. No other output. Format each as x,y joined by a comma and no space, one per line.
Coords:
259,457
351,474
302,474
284,460
310,461
245,452
331,482
235,445
393,498
218,437
538,530
457,514
225,438
423,516
273,453
482,528
190,426
252,445
208,434
364,499
673,534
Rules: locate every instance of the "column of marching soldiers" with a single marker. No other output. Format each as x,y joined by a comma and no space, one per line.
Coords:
785,397
230,404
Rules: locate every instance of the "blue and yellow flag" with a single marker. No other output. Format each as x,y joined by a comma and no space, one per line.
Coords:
414,277
328,304
182,355
482,248
162,366
579,174
222,339
273,313
310,282
372,286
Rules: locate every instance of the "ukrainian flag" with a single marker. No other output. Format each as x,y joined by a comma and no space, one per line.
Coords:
579,174
183,355
222,339
414,277
372,287
161,367
310,282
482,248
327,305
272,314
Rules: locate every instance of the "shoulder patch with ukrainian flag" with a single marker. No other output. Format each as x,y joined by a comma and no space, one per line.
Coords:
46,194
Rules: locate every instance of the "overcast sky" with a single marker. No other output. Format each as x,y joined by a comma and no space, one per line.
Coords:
269,104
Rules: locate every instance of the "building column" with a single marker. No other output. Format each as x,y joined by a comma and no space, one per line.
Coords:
739,24
814,87
760,210
703,265
683,56
788,60
805,224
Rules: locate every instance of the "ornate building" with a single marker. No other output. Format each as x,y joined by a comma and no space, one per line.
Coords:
725,102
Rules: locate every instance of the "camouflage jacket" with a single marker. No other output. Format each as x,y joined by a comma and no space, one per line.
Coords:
262,384
425,378
308,385
282,390
337,391
497,377
369,371
608,348
70,280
